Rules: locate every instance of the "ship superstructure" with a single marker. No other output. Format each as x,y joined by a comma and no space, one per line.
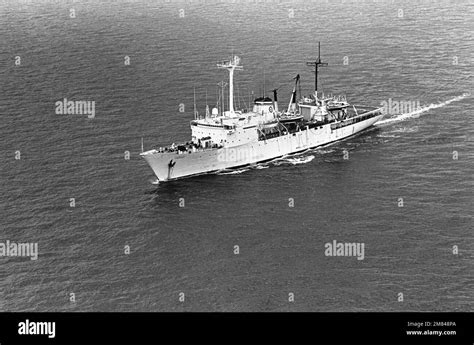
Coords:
231,139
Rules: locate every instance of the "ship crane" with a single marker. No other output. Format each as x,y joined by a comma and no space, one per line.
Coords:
292,104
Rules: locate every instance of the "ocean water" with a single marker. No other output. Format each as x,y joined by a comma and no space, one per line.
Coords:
417,51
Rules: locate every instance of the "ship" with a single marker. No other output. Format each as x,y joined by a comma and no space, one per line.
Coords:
231,139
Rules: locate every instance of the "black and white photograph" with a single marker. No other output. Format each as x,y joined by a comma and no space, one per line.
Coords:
221,158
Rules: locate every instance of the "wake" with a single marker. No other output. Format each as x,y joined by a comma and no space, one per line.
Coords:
418,112
279,161
293,161
232,172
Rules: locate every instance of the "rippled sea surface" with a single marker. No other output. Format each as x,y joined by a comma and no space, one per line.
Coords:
416,51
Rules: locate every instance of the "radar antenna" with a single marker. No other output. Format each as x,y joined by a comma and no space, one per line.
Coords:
316,65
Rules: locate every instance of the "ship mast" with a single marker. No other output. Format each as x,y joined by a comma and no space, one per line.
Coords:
231,65
194,97
207,107
316,65
222,85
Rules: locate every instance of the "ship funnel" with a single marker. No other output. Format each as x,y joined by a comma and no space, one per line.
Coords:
275,100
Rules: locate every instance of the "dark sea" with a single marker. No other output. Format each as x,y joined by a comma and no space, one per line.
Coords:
405,190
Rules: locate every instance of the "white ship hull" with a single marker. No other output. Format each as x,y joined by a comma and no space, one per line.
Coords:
172,165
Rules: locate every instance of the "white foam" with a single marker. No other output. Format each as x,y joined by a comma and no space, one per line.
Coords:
295,161
405,130
388,136
323,151
418,112
232,172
